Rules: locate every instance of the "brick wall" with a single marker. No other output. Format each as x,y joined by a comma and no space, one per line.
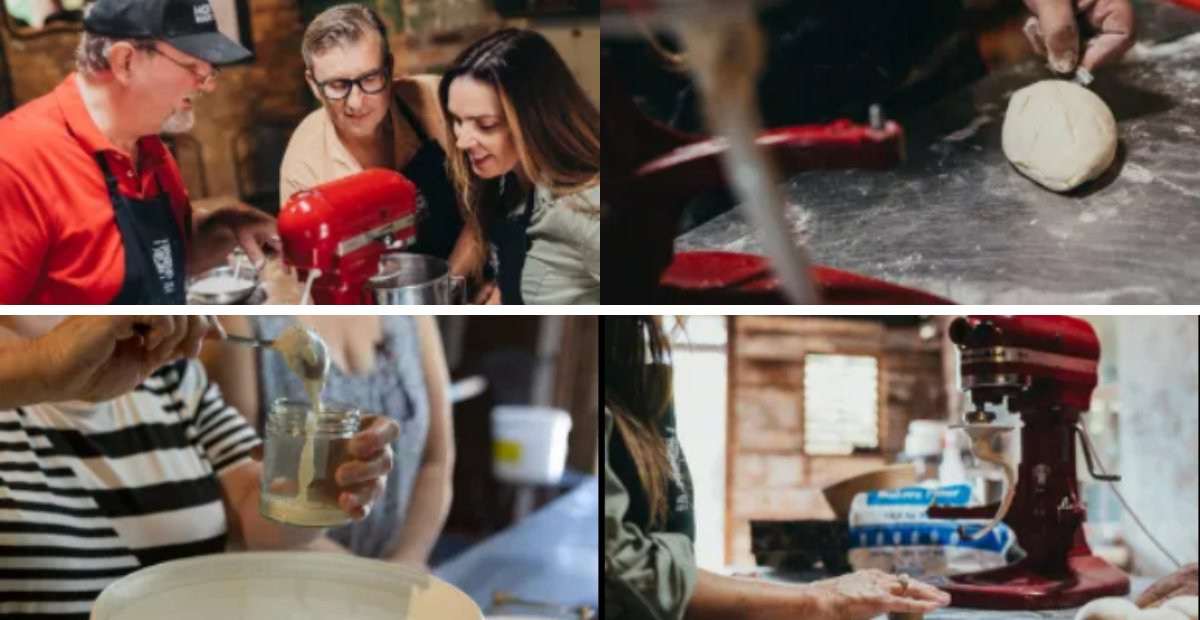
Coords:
769,476
38,64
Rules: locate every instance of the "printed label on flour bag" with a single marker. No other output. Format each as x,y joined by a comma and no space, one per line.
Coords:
891,531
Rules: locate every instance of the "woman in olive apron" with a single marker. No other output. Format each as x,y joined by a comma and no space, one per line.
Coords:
650,570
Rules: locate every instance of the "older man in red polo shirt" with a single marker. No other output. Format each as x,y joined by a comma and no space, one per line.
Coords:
92,204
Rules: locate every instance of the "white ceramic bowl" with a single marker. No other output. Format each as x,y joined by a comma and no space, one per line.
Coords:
282,586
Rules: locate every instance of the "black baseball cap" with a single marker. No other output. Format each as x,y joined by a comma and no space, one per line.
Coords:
189,25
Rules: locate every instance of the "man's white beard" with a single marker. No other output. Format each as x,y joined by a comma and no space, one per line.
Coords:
180,121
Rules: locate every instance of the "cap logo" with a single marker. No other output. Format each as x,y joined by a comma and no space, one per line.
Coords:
204,14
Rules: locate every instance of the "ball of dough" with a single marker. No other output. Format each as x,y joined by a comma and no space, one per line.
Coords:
1107,609
1186,605
1059,134
1158,614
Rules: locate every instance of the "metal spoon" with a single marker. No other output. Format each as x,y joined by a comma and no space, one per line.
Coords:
311,371
250,342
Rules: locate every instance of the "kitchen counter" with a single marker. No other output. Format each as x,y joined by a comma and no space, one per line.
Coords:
957,220
553,556
1139,586
957,613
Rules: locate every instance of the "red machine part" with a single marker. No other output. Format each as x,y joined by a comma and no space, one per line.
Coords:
1060,353
841,145
1046,368
341,228
1048,334
728,278
652,171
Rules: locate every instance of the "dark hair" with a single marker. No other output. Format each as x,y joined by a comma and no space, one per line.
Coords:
637,390
555,125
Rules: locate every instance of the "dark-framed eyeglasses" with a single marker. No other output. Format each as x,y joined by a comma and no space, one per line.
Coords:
204,80
372,83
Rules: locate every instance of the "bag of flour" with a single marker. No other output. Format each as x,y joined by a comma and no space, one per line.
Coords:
891,531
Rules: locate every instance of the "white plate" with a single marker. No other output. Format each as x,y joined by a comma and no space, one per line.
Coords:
282,586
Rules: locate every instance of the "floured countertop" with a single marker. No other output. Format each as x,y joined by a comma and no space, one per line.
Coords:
955,613
1138,586
959,221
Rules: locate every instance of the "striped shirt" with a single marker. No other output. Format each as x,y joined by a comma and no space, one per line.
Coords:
92,492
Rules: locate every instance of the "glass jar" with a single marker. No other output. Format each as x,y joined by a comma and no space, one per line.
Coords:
300,462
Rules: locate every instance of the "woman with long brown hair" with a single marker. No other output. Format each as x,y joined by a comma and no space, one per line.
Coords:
650,570
526,164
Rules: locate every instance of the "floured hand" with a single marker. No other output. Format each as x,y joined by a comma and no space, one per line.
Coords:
1054,30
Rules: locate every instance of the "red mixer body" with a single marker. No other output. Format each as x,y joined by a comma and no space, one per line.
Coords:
1045,369
343,228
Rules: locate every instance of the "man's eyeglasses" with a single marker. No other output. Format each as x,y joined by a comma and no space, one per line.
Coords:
372,83
204,80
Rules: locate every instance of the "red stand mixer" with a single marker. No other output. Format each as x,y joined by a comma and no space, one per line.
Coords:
1045,369
651,171
338,233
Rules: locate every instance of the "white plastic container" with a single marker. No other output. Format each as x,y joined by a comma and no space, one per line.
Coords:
529,444
282,586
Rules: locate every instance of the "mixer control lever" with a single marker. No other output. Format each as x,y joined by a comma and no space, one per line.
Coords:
1087,456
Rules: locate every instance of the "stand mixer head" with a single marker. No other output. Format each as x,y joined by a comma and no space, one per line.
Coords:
1027,361
336,234
1044,368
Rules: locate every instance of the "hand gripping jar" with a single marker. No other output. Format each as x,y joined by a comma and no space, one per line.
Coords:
303,452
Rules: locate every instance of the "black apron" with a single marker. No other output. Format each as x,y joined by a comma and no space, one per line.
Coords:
439,222
510,235
154,260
